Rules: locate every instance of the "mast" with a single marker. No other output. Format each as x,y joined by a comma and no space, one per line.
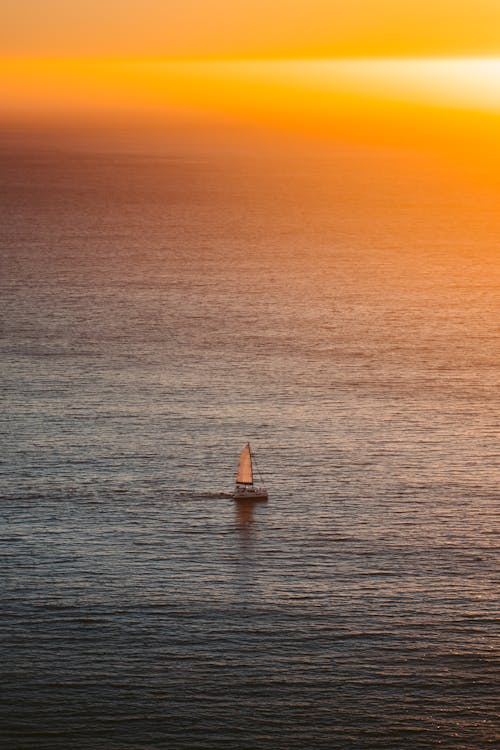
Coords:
251,461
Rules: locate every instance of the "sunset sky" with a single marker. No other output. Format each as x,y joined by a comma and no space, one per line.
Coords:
249,28
370,70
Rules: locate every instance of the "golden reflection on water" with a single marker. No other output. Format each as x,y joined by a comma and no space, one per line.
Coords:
373,388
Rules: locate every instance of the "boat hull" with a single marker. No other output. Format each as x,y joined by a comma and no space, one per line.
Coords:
251,495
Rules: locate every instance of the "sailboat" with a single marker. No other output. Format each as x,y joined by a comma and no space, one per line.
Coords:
245,489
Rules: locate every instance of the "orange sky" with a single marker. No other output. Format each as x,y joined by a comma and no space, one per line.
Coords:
382,71
368,100
249,28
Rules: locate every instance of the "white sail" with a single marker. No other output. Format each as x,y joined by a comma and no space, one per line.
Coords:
245,475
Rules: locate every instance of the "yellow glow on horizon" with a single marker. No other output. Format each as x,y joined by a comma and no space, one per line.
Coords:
443,82
396,101
471,84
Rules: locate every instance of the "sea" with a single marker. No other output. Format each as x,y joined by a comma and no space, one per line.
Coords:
340,311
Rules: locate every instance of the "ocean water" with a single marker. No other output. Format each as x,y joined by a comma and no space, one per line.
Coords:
341,312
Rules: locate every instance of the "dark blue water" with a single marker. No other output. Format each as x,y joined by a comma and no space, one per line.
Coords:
157,313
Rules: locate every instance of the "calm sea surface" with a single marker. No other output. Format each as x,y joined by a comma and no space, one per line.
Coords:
342,314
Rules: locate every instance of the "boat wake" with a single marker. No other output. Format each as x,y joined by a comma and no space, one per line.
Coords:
210,495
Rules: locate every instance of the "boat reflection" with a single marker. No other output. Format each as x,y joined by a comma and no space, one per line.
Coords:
245,512
245,517
245,520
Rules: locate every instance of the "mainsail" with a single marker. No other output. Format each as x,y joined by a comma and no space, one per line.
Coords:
245,475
